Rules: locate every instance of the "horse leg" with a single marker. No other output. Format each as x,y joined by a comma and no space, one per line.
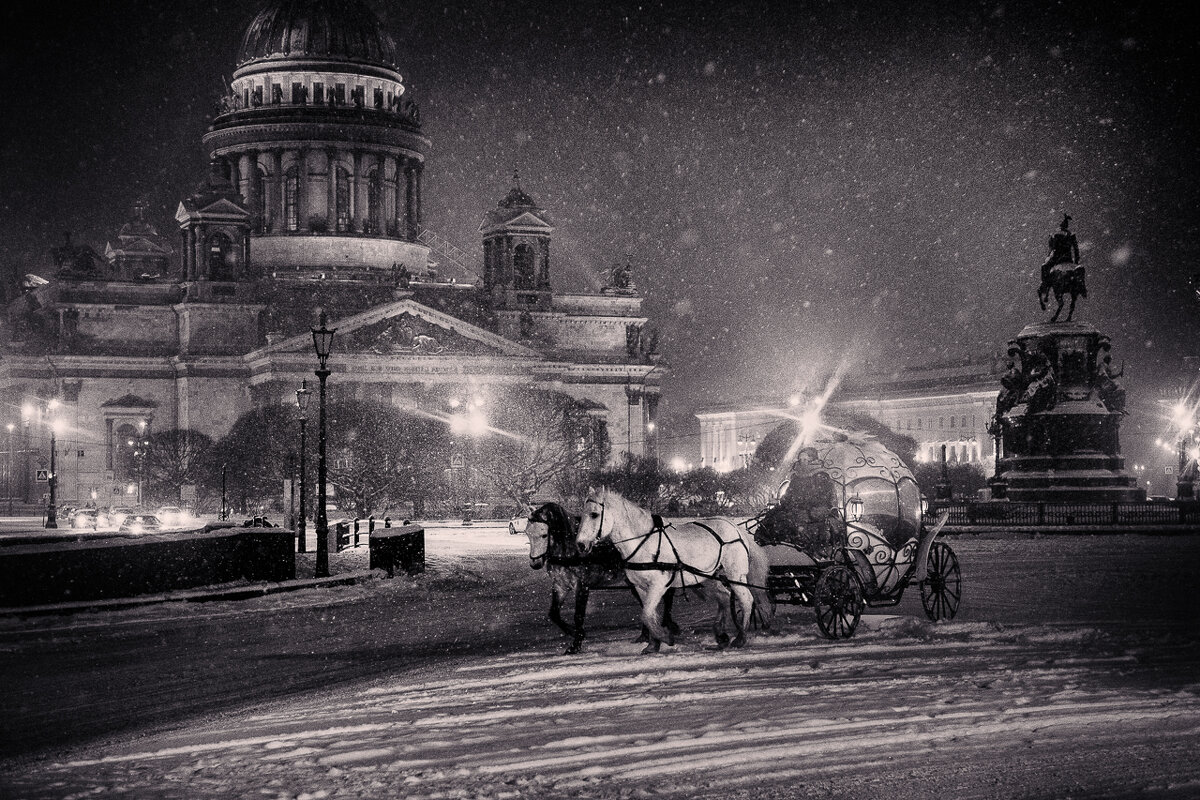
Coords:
1071,310
1059,309
651,598
1043,295
581,600
555,614
644,635
720,629
669,622
744,601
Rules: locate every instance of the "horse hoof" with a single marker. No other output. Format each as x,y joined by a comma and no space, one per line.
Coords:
739,641
645,637
650,649
722,642
573,649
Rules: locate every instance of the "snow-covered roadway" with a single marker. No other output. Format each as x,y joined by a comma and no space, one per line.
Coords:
1069,674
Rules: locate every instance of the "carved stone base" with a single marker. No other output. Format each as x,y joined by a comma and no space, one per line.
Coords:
1071,451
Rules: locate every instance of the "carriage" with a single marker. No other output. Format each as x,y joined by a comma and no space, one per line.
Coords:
847,531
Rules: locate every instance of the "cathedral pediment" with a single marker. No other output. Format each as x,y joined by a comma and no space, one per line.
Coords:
219,208
523,219
407,328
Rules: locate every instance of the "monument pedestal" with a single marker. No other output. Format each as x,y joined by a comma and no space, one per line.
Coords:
1062,440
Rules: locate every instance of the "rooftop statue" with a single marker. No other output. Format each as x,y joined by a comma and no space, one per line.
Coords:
1061,272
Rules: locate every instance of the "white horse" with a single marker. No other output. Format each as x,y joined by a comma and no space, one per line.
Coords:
711,553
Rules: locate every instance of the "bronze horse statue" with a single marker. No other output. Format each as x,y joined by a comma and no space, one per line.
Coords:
551,533
1061,272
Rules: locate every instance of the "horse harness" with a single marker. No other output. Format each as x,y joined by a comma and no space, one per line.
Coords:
678,565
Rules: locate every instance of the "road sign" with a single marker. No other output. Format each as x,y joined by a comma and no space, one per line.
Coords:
1169,470
43,476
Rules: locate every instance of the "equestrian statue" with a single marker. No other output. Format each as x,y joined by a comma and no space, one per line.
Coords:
1062,272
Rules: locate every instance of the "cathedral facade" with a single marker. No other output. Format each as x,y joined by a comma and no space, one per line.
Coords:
312,204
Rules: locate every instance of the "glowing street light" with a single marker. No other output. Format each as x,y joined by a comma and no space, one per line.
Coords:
322,344
302,397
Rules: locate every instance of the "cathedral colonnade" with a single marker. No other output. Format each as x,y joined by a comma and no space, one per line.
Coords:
315,188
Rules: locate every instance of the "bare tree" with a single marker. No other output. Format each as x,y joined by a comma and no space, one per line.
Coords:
540,439
175,458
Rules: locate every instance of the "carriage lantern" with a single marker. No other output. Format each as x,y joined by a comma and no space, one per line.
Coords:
854,508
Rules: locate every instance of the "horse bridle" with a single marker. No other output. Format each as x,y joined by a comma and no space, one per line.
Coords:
540,516
600,526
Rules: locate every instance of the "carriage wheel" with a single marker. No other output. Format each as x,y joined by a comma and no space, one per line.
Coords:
941,590
838,599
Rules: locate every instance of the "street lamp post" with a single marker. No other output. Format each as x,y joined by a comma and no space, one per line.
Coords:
11,427
52,508
224,513
322,343
302,395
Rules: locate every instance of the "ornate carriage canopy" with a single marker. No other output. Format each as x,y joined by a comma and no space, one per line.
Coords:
827,474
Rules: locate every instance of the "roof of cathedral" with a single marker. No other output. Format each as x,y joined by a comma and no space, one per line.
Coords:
342,30
513,205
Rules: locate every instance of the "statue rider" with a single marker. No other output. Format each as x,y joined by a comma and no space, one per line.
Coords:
1064,248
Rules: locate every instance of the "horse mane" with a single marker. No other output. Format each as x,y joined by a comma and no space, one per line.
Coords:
632,512
562,530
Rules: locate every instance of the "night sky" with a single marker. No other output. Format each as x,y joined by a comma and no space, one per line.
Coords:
797,185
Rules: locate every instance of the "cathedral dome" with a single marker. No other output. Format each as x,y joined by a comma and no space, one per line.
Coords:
325,30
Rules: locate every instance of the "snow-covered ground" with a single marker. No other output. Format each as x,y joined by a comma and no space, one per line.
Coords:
1071,672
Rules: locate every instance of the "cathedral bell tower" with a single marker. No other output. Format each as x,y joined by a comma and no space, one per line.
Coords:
516,253
215,231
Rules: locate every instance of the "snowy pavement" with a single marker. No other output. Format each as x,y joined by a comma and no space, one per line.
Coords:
1095,695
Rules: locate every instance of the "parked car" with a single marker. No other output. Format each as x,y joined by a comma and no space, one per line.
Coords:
516,525
89,519
171,516
116,516
140,523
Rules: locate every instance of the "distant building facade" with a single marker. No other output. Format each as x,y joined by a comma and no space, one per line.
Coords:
313,202
938,406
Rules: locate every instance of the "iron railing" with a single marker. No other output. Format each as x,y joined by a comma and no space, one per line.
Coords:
1015,513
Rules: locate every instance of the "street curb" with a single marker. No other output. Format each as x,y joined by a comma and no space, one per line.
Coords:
190,595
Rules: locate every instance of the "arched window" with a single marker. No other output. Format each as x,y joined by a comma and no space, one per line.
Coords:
342,176
291,197
220,257
259,178
374,201
523,267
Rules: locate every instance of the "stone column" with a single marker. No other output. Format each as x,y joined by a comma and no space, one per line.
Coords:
277,221
357,187
331,189
419,172
254,203
302,189
397,205
235,171
243,181
410,223
201,262
544,271
185,250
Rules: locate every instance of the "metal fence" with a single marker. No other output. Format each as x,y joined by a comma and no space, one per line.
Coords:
1009,513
